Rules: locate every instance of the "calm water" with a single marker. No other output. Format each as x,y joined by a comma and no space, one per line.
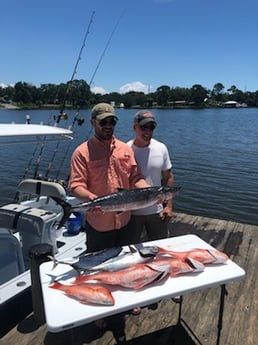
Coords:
214,155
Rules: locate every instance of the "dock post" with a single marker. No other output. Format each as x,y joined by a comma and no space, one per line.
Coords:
38,254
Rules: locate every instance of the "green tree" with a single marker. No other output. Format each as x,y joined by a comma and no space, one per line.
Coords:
217,92
163,95
24,93
198,94
49,94
180,94
7,93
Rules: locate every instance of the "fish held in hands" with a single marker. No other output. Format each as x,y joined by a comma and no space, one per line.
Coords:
120,201
134,277
205,256
87,294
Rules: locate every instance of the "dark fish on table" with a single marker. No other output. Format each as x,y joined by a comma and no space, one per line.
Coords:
85,262
88,294
122,200
143,255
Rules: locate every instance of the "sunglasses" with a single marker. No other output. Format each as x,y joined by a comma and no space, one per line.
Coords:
150,127
105,122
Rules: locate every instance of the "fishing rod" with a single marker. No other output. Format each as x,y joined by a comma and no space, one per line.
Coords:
16,197
105,49
61,114
91,81
79,121
40,144
102,56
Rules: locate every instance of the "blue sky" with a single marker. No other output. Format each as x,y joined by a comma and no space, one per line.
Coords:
156,42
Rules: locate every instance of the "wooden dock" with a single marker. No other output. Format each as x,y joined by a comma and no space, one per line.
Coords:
199,309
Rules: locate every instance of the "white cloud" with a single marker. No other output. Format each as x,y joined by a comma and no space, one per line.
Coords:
3,85
134,86
99,90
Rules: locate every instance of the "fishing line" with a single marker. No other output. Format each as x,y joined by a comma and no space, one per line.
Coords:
90,83
39,159
79,123
101,58
62,115
67,91
105,49
42,143
16,198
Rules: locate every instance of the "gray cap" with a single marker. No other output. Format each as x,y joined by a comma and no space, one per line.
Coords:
102,110
144,116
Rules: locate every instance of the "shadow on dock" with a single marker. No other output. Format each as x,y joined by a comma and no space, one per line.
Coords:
179,334
173,335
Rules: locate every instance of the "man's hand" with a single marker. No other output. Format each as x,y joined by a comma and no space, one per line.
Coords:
166,214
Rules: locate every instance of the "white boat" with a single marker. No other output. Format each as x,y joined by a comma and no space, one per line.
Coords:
33,218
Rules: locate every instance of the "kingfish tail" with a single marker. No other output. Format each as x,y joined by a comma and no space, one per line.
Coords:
66,210
176,190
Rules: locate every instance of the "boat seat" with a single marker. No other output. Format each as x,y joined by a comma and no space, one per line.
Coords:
35,193
36,187
11,258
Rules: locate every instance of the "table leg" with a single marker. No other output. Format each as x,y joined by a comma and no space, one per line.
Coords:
180,302
223,293
181,321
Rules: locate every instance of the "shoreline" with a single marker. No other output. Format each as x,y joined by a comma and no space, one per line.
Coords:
8,106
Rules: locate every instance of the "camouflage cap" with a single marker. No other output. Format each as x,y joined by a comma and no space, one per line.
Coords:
102,110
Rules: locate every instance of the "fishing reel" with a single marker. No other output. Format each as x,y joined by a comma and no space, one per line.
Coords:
62,182
80,121
61,116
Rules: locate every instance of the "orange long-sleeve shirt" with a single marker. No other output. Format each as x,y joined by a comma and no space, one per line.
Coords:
102,170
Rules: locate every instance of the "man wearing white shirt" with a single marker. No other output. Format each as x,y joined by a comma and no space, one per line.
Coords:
154,162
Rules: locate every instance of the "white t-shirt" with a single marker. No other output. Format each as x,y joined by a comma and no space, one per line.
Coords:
152,160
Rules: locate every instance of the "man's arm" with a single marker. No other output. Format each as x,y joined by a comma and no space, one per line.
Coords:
141,184
83,194
168,180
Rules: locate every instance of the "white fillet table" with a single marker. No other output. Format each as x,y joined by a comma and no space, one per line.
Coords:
63,313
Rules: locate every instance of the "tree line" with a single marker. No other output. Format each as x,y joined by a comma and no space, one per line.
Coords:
77,94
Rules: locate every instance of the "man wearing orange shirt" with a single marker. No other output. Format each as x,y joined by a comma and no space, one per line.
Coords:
101,166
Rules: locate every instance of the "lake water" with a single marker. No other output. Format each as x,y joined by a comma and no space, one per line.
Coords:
214,154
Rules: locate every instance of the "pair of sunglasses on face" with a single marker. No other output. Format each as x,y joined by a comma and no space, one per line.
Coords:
113,122
105,122
149,127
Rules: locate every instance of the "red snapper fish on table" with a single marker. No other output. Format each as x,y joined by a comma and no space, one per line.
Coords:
135,270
